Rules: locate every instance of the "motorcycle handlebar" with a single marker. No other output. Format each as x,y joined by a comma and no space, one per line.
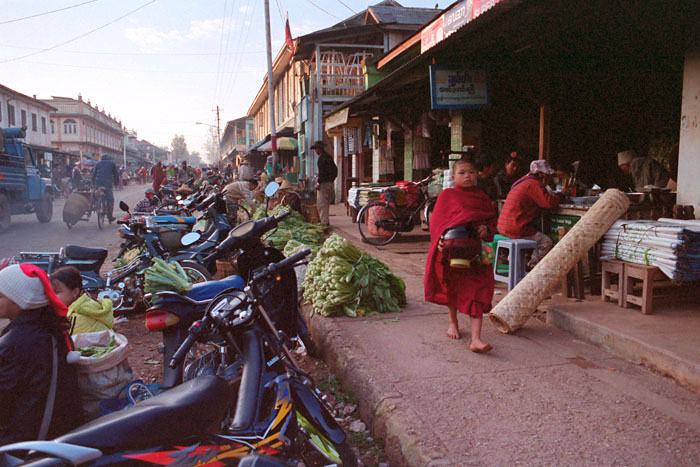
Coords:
272,269
122,222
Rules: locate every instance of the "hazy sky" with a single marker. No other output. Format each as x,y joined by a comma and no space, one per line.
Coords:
158,65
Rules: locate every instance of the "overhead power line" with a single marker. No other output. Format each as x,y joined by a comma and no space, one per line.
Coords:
134,70
346,6
140,54
80,36
326,12
47,12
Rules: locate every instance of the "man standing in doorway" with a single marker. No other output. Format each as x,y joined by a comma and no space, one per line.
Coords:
327,172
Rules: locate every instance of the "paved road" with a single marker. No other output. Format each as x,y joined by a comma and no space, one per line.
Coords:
27,234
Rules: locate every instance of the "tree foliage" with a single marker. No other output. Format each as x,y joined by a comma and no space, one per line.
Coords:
212,146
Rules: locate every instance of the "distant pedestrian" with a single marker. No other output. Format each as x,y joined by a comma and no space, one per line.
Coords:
158,175
468,290
327,173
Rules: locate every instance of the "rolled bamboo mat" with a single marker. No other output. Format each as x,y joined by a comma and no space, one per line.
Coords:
521,302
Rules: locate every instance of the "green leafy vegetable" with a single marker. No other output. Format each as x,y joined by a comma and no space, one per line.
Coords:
343,280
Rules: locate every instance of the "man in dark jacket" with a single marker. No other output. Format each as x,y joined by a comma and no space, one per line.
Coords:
37,321
327,172
106,175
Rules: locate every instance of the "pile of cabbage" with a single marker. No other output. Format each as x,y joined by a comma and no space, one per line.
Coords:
343,280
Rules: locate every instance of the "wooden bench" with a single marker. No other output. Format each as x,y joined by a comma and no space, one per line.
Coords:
647,275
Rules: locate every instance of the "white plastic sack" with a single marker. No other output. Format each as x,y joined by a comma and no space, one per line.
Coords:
101,338
101,378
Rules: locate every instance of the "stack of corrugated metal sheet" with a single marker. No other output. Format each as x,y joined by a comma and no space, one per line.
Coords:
671,245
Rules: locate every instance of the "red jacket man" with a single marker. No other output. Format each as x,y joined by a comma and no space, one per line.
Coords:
523,205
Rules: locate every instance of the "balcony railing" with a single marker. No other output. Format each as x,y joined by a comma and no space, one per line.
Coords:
341,76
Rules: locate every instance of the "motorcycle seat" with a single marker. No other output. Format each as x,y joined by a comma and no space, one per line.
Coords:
194,408
81,252
175,219
211,289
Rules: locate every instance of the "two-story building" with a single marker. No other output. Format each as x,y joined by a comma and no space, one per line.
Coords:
326,70
81,128
19,110
237,138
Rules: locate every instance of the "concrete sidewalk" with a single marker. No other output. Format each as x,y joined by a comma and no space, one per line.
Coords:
541,396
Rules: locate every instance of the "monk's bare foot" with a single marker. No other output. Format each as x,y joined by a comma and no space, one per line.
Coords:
480,347
453,331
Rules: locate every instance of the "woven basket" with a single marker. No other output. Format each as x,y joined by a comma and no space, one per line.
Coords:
311,213
225,268
521,302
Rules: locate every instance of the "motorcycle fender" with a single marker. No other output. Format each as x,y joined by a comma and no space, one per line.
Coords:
306,402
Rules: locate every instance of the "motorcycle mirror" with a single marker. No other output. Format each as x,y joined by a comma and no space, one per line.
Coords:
123,206
190,238
271,189
178,197
186,202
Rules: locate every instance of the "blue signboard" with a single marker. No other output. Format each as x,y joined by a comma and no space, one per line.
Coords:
457,88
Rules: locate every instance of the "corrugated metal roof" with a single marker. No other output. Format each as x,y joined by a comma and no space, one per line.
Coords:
401,15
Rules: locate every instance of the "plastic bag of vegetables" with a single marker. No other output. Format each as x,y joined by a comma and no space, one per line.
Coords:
163,276
343,280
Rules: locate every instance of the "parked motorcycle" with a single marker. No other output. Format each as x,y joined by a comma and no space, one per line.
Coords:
174,313
259,401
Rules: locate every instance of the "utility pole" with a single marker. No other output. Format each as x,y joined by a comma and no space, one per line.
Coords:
270,88
125,136
218,139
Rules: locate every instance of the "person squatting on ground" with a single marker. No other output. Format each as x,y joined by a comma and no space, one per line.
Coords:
148,204
37,326
523,208
469,290
84,313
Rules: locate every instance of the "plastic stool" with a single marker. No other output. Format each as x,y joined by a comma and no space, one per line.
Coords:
516,260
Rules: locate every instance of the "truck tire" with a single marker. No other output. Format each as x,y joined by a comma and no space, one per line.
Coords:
44,208
4,213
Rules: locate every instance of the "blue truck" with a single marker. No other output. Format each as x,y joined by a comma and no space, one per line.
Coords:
23,190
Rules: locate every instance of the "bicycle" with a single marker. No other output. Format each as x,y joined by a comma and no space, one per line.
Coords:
99,205
381,221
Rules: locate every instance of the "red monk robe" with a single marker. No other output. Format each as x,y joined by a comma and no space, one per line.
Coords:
469,290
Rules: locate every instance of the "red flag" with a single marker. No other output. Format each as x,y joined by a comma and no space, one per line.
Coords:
288,36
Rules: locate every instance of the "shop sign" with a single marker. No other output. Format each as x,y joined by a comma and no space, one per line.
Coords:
457,88
457,16
432,34
560,220
337,118
453,19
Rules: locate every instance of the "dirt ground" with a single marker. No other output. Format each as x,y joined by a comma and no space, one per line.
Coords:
147,364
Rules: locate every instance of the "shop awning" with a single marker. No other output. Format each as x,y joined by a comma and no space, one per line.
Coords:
256,146
284,143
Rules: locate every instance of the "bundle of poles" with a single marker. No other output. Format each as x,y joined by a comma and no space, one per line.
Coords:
670,244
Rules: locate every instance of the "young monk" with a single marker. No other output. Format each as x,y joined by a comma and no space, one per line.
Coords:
469,291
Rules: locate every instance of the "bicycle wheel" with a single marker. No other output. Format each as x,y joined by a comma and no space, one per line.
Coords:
370,220
428,212
195,272
100,208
